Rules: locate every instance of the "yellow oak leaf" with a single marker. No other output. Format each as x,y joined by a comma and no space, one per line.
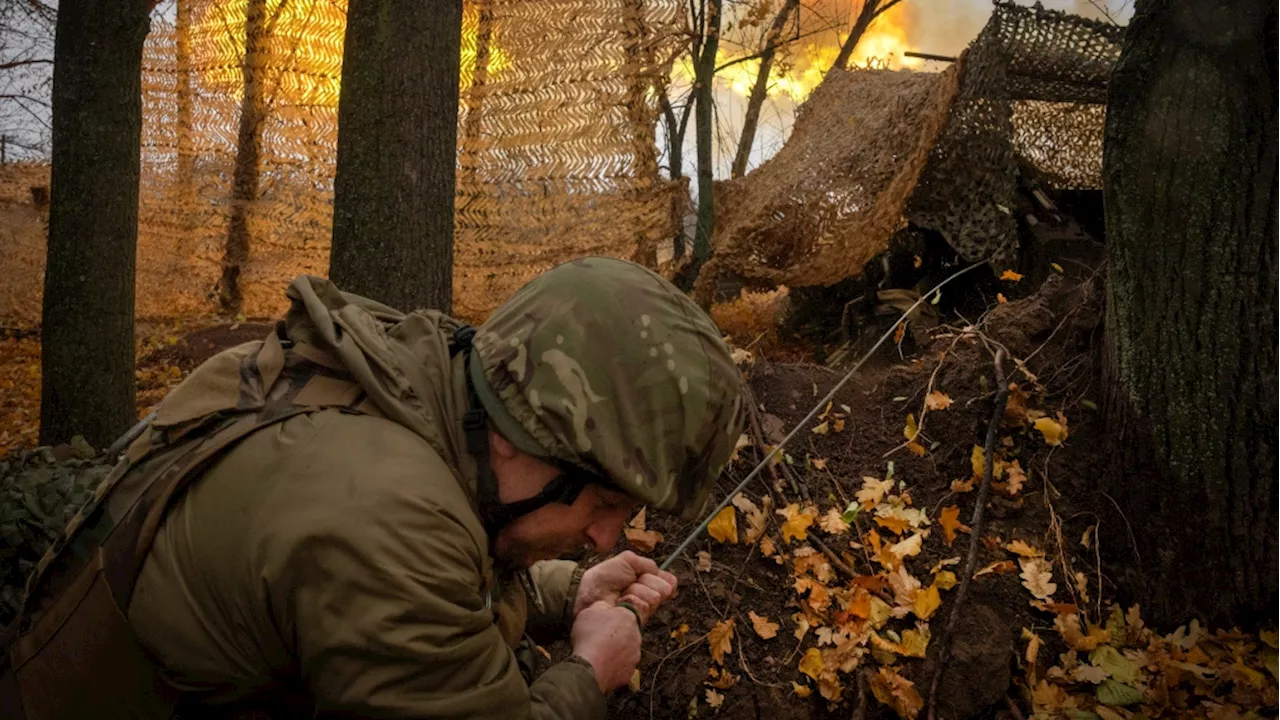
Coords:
1068,627
764,628
1021,548
879,613
1010,275
937,400
796,528
873,491
756,517
945,580
803,691
724,526
721,640
1001,299
897,692
909,547
949,519
927,602
1054,432
818,463
1033,645
911,431
811,663
962,486
679,633
821,428
638,521
1001,566
895,525
766,547
1017,478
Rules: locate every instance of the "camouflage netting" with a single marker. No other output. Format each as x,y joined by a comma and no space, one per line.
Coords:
556,147
1030,92
40,490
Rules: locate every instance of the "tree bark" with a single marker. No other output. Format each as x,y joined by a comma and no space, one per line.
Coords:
87,352
247,170
704,129
1190,158
397,153
871,9
760,90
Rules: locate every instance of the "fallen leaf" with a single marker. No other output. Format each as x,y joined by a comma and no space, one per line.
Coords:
897,692
873,491
833,524
1002,566
1117,666
743,442
811,663
821,428
704,561
802,625
837,424
818,463
766,547
1082,586
1001,299
1053,431
764,628
947,562
721,640
1047,697
638,521
905,586
796,528
899,334
910,432
1037,577
1068,627
909,547
1118,694
803,691
724,526
721,679
1033,645
1023,549
945,580
634,684
895,525
1017,478
757,518
1087,538
962,486
1010,275
949,519
819,597
679,633
937,400
927,602
644,540
879,613
1088,673
714,699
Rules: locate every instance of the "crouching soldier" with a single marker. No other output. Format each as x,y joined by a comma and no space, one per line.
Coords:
361,514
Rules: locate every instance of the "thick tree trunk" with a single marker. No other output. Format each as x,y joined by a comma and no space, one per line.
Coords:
87,353
247,170
397,153
1190,164
760,90
704,130
870,10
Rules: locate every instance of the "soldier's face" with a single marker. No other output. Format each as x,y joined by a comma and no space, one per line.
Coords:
594,520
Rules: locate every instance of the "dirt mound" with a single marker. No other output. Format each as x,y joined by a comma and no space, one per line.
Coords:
861,436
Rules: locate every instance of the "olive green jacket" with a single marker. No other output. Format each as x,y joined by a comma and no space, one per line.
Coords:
340,556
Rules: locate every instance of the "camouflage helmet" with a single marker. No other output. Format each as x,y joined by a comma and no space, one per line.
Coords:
604,365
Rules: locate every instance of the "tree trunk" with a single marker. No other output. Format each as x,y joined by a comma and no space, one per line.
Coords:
870,11
397,153
675,147
760,90
247,170
704,128
186,134
1190,161
87,353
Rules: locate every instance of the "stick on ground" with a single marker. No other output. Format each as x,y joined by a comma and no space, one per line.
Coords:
975,538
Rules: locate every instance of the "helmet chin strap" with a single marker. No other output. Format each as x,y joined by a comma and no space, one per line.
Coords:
495,514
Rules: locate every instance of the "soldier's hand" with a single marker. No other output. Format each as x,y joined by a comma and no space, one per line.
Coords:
626,576
607,636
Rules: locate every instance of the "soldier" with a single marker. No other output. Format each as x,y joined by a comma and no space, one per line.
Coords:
360,515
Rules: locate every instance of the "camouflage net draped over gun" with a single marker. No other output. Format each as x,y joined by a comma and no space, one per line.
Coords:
556,152
40,490
1027,95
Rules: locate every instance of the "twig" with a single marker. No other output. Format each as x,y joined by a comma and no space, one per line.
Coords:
835,559
975,539
860,713
924,406
742,660
658,670
1017,714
